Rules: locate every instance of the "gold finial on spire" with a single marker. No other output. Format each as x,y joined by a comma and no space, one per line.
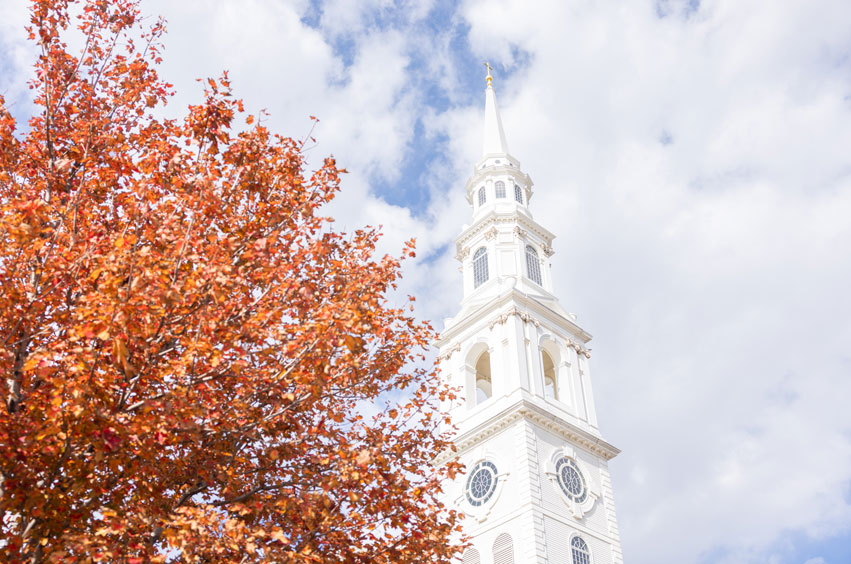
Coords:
489,78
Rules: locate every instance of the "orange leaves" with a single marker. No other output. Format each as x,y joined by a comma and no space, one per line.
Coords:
354,344
120,354
192,357
279,536
124,241
63,165
363,458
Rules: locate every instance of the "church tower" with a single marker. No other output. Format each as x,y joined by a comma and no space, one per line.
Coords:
537,487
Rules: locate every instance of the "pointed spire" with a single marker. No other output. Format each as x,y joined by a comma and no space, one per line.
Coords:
495,142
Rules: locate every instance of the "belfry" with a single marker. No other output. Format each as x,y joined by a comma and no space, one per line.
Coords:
537,487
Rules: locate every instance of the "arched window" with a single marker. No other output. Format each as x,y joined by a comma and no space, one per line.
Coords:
482,196
579,550
503,549
550,382
500,189
533,265
484,389
518,194
471,556
480,267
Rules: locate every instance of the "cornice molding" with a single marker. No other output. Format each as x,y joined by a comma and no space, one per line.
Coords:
480,174
528,318
578,348
514,311
462,254
449,352
521,302
493,220
523,409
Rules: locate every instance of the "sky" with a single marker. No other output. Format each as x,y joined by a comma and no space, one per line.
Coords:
693,159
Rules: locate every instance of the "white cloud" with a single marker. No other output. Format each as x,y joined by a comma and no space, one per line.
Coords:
16,61
714,268
356,17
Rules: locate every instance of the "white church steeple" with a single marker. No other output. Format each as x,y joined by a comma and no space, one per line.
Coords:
495,144
537,488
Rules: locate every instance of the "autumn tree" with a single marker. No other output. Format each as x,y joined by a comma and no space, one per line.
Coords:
187,347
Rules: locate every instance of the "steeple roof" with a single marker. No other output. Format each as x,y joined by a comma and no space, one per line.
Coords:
494,141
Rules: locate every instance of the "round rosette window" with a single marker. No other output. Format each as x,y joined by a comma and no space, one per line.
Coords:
481,483
570,480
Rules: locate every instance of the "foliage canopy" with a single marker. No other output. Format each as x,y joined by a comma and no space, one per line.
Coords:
186,346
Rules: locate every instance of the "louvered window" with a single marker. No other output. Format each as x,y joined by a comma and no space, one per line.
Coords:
480,267
482,197
471,556
503,549
500,189
533,265
518,194
579,550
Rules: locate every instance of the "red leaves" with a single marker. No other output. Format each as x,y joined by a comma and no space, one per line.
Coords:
189,352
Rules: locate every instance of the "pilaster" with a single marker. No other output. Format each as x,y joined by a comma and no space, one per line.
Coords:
611,517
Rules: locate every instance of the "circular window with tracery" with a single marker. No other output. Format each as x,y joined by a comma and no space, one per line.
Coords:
570,479
481,484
